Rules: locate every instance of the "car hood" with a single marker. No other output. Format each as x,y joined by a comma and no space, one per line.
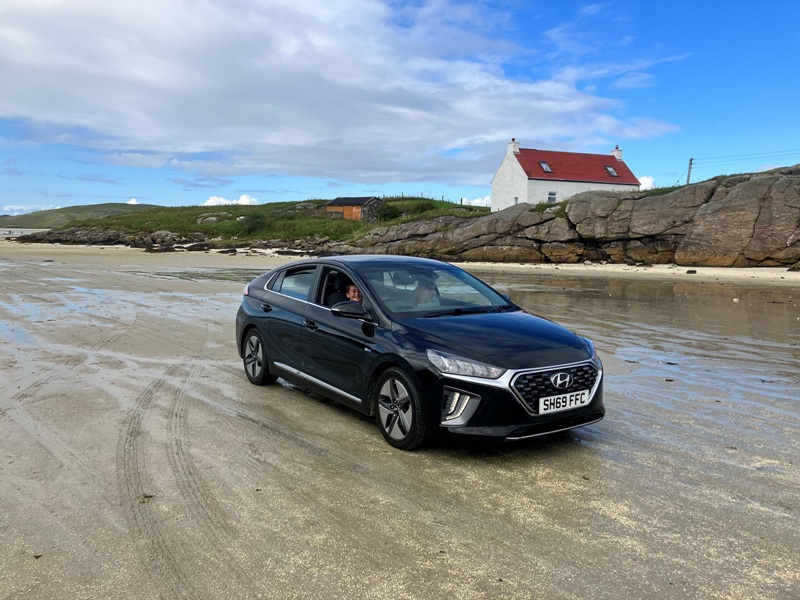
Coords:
513,340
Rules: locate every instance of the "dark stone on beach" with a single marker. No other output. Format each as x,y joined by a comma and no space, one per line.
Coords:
198,247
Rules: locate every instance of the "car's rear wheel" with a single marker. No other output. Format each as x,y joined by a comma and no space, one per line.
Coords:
254,359
399,409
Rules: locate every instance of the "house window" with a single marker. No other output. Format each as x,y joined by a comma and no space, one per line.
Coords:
516,200
611,171
545,167
551,197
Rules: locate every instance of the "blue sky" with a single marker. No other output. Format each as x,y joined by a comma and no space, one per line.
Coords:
183,103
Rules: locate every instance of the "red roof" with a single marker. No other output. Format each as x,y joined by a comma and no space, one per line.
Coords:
574,166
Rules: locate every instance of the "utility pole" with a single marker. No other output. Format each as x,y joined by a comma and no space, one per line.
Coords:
689,173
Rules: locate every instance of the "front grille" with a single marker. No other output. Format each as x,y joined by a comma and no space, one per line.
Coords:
531,386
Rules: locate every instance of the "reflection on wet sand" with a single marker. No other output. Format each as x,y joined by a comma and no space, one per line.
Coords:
135,456
704,370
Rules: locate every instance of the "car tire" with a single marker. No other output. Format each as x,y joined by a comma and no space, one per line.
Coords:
254,359
399,409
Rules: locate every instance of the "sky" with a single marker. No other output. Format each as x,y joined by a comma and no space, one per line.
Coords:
210,102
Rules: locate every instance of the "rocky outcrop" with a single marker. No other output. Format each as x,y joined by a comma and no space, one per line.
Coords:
741,221
77,235
163,241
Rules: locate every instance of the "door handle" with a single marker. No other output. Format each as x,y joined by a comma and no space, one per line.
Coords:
310,324
266,307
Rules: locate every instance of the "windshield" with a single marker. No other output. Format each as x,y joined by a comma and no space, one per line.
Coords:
428,292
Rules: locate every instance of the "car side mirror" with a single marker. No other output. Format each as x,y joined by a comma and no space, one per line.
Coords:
349,310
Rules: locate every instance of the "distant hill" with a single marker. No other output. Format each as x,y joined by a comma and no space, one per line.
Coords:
59,217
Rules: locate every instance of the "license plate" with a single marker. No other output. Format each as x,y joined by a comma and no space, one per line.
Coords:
552,404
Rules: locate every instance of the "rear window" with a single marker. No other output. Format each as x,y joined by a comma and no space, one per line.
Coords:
296,283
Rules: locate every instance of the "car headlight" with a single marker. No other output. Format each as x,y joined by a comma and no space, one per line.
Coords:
451,364
592,350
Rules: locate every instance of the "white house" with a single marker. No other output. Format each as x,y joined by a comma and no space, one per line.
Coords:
537,176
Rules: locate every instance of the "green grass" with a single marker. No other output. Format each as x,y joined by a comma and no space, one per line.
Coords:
561,207
280,221
399,210
661,191
60,217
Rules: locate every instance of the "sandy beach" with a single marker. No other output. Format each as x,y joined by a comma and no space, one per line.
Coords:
136,460
266,259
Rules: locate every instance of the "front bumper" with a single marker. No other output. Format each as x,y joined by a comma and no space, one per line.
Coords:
497,408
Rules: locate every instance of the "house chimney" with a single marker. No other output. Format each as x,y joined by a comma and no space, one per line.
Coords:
513,147
616,152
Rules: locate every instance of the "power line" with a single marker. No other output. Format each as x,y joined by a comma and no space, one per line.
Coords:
709,165
744,158
732,159
753,154
678,180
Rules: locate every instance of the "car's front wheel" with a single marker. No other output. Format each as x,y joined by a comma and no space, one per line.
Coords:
254,359
399,410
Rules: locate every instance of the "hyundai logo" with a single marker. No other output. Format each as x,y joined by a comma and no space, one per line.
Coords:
561,380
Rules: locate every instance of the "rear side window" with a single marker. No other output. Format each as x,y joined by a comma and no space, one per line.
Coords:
296,283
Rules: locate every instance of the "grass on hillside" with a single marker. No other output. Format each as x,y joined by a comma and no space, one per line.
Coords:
283,221
560,208
661,191
59,217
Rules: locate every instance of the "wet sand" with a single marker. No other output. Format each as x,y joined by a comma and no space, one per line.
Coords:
136,461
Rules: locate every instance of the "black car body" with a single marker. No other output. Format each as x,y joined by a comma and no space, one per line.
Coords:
429,349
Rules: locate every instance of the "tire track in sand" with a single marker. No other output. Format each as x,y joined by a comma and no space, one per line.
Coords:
208,519
161,560
202,507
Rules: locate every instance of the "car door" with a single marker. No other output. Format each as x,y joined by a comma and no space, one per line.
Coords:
335,349
284,306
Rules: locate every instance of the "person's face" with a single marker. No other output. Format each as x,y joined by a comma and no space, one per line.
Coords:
353,294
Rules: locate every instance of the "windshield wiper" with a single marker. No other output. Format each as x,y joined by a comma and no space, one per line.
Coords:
471,310
501,308
442,313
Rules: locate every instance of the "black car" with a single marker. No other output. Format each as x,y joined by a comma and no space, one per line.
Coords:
428,348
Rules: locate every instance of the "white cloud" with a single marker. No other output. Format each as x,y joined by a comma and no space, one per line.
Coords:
244,199
367,90
634,80
485,201
646,183
17,209
133,201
